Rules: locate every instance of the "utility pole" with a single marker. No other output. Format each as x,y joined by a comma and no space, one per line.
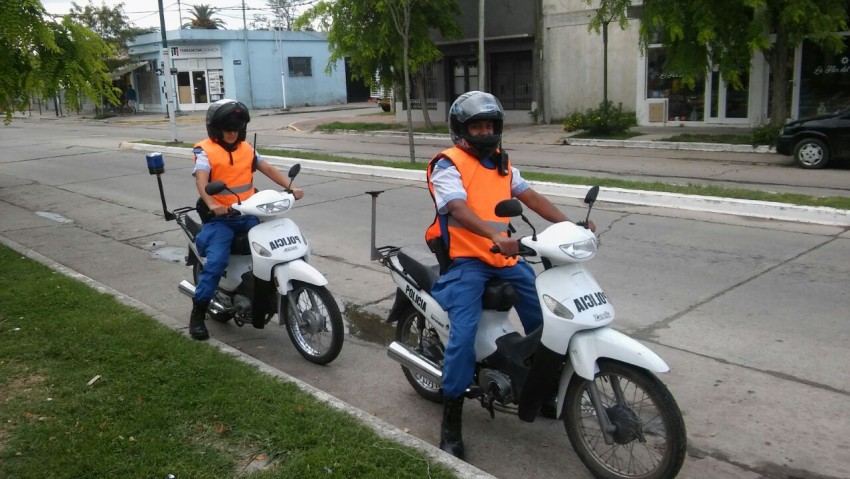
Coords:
247,58
163,63
482,77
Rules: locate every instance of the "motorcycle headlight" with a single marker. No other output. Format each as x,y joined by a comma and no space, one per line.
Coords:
584,249
260,250
274,208
556,307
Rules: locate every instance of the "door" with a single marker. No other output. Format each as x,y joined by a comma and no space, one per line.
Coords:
727,104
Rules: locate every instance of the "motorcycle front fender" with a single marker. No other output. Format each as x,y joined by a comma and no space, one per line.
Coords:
587,346
297,270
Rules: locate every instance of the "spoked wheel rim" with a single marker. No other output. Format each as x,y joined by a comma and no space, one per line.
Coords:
411,339
649,439
413,332
311,324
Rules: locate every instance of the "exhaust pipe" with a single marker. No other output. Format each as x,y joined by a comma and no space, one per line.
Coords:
188,289
410,359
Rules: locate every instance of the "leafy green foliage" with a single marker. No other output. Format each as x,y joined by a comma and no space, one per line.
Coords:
202,19
725,33
42,57
606,119
111,24
766,134
367,35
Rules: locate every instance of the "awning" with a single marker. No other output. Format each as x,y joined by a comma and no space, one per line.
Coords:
120,72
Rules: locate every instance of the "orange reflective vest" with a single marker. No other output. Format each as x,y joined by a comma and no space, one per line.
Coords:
484,188
235,169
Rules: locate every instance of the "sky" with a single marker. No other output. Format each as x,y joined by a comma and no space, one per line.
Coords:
145,13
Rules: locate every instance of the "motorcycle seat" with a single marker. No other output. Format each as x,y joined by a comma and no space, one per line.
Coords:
421,264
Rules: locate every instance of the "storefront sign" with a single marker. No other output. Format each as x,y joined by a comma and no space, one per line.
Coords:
196,51
827,69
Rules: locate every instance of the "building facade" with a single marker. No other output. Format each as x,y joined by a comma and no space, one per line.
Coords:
543,63
263,69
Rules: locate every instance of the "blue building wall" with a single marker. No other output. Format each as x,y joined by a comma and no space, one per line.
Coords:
250,71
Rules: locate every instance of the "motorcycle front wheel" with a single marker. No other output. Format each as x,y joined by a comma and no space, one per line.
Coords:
650,441
313,322
413,331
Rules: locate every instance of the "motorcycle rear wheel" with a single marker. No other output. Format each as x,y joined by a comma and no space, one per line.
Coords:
407,332
650,441
313,322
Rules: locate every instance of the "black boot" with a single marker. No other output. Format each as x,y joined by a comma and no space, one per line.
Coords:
451,439
197,328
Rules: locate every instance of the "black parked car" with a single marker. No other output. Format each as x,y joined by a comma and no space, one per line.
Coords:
816,141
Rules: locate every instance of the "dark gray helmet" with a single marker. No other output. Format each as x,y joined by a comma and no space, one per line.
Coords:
230,115
472,106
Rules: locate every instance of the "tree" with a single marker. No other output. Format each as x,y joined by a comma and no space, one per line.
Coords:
608,11
111,24
42,57
285,12
203,19
725,33
370,33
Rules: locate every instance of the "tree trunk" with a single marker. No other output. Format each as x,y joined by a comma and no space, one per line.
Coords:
777,58
423,98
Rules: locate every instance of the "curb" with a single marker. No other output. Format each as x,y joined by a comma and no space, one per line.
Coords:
670,145
820,215
385,430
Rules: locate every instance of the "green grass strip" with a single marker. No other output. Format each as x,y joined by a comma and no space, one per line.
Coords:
838,202
163,404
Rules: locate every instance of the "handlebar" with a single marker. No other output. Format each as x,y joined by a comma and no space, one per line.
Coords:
523,250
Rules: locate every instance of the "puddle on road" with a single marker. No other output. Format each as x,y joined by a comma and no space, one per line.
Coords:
54,216
369,326
172,254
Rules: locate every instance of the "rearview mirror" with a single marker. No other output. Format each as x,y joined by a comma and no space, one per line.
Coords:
293,172
215,187
508,208
590,198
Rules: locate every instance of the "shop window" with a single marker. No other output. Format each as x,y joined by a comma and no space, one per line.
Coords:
300,66
824,80
684,103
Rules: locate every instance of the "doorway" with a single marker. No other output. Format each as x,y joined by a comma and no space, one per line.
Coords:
192,92
727,104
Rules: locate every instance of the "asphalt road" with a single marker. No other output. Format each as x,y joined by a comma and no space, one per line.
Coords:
749,313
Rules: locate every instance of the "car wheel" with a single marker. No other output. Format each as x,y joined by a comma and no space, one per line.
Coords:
811,153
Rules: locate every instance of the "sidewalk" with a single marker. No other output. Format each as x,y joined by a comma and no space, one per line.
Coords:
651,137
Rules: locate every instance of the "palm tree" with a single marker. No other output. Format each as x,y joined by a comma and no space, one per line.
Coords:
203,19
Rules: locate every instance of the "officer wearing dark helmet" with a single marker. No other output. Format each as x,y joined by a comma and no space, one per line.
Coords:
466,182
225,156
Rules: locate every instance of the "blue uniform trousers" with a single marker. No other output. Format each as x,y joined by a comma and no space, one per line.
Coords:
213,243
459,292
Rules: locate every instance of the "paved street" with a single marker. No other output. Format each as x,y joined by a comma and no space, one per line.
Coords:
750,313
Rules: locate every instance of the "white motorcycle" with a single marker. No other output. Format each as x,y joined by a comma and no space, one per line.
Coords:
268,272
620,418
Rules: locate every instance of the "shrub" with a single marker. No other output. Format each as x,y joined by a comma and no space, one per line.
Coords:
606,119
766,134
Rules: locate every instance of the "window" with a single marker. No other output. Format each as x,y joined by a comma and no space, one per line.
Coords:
824,80
685,103
300,66
512,79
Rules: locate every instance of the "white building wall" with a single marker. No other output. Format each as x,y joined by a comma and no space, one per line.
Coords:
572,63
